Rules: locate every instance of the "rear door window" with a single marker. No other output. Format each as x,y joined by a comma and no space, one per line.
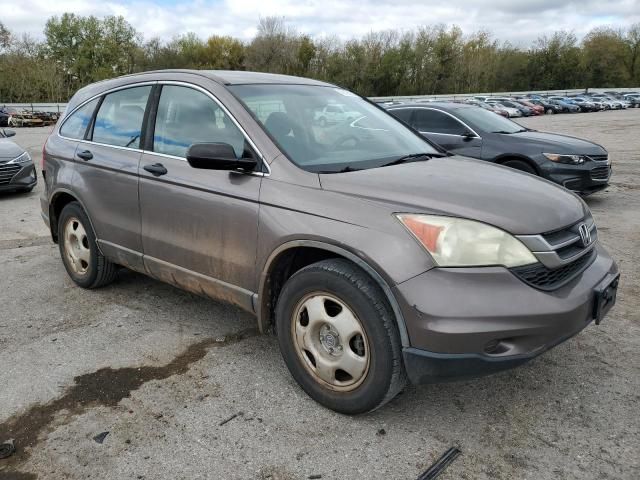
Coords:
187,116
76,125
119,119
434,121
403,114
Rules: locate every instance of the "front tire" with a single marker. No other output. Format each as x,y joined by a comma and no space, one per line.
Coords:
82,259
338,337
521,165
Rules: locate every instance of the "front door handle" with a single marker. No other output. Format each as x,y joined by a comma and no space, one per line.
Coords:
156,169
85,155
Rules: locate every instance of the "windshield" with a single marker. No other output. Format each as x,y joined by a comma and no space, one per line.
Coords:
326,129
488,121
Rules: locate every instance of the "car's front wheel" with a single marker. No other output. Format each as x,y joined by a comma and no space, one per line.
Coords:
82,259
521,165
338,337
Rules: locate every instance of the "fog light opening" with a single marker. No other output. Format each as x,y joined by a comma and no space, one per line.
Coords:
496,347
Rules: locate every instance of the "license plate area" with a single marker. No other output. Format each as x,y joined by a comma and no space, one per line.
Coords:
605,296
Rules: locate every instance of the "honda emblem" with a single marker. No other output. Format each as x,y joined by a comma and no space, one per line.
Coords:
585,234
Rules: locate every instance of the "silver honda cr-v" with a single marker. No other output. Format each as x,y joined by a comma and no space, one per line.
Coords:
374,255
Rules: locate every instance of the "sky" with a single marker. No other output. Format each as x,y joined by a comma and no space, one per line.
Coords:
517,21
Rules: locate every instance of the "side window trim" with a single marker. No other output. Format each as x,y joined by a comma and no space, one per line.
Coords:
264,169
149,120
453,117
88,134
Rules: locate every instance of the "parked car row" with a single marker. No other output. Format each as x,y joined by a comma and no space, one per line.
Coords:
536,104
15,117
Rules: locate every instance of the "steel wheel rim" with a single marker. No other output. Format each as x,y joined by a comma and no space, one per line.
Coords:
330,341
76,246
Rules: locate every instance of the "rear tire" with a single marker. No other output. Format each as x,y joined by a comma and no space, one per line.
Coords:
550,111
338,337
521,165
82,259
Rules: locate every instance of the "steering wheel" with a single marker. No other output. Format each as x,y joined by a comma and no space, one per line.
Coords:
344,139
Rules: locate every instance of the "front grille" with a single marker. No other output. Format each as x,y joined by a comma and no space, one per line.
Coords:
600,173
7,171
543,278
599,158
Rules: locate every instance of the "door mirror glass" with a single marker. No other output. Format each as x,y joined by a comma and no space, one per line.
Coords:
468,135
217,156
8,133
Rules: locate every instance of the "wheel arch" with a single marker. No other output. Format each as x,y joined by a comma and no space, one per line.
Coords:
500,160
58,200
294,255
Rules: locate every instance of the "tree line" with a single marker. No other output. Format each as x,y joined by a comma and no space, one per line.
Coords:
436,59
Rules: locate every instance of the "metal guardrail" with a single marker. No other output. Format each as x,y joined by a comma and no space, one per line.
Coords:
37,107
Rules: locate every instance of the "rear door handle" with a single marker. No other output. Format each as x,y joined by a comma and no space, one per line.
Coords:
85,155
156,169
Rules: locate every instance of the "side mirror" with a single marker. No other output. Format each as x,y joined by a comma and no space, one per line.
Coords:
217,156
468,136
8,133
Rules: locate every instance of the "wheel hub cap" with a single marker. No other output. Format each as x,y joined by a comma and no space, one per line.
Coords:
76,246
330,341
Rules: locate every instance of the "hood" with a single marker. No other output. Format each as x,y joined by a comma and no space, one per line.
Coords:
457,186
9,150
555,143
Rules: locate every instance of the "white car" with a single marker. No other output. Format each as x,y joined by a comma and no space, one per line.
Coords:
335,113
513,112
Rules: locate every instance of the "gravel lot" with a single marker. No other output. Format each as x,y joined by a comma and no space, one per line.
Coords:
161,370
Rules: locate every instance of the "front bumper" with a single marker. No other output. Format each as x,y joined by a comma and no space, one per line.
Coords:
466,322
584,179
23,179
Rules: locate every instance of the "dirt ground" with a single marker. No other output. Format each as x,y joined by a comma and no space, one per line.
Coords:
187,389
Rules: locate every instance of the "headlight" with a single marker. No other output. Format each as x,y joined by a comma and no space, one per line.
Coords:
456,242
24,158
562,158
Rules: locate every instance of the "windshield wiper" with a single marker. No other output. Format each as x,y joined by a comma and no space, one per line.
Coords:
342,170
509,133
414,157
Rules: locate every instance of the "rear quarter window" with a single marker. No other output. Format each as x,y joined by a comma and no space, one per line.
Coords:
76,125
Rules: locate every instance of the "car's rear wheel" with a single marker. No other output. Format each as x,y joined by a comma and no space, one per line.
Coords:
338,337
521,165
550,111
82,259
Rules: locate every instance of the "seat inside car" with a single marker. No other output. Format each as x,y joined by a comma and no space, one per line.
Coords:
286,132
189,123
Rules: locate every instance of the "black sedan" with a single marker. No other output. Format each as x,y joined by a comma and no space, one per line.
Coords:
17,172
579,165
549,108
